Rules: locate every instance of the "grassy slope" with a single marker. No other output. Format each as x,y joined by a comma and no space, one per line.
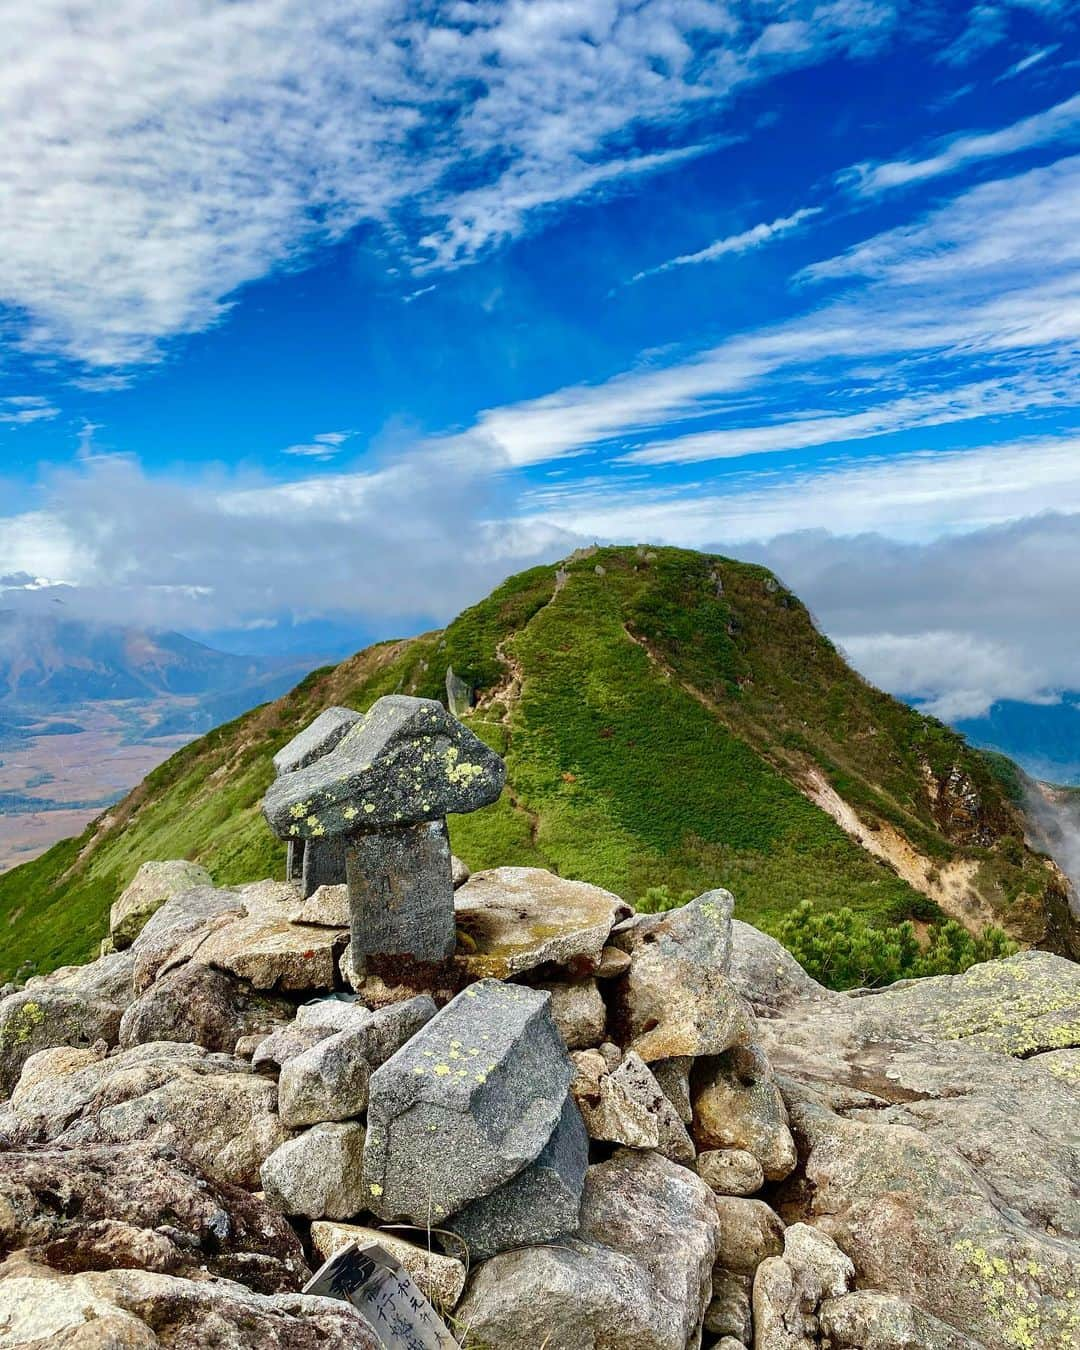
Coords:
647,744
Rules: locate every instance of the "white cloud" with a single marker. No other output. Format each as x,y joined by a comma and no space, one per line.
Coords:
913,497
1033,58
22,409
953,674
156,157
322,446
1058,124
754,237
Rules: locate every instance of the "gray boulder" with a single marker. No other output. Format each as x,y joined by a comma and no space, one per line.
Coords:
176,926
319,1174
408,760
76,1005
676,1000
789,1289
153,884
201,1004
578,1010
487,1077
730,1171
638,1274
626,1105
211,1108
138,1206
864,1320
145,1310
749,1233
273,1052
541,1203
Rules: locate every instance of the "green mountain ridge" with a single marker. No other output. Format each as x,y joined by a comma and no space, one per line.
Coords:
669,719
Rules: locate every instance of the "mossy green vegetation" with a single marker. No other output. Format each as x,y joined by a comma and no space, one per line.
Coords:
658,713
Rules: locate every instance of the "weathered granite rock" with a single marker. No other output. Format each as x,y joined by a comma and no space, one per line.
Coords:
154,883
628,1106
864,1320
487,1076
201,1004
335,1013
728,1313
138,1206
271,953
675,999
326,907
673,1075
788,1289
440,1278
211,1108
730,1171
329,1081
638,1273
513,919
319,1174
767,975
578,1010
177,926
76,1005
749,1232
459,872
541,1203
613,963
316,740
408,760
737,1104
273,1052
144,1310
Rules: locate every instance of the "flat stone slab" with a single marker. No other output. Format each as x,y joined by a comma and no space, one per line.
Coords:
538,1205
316,740
466,1104
512,919
406,761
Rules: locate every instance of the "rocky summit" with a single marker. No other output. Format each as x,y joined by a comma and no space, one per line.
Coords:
585,1128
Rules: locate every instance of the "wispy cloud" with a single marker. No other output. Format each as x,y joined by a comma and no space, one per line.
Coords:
754,237
1026,62
324,445
22,409
158,158
1058,124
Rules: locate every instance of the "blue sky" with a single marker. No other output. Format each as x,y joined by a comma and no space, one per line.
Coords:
318,318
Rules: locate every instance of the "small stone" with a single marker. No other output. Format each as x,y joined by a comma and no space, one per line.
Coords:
326,907
738,1105
486,1078
331,1014
627,1106
319,1174
440,1278
673,1075
613,963
789,1289
329,1081
273,1052
153,884
459,872
517,918
676,1000
749,1233
728,1314
540,1204
730,1171
578,1011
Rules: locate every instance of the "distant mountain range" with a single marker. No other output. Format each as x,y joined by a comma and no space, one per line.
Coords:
670,721
55,664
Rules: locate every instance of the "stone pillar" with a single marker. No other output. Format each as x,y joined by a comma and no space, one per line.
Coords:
401,891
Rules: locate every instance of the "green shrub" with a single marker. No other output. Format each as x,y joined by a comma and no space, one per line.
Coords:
840,949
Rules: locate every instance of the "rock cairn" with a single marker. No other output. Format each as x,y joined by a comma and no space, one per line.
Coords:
575,1126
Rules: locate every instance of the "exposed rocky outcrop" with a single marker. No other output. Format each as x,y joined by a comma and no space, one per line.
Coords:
584,1130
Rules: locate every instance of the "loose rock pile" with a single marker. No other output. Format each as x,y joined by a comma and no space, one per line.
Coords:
587,1129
